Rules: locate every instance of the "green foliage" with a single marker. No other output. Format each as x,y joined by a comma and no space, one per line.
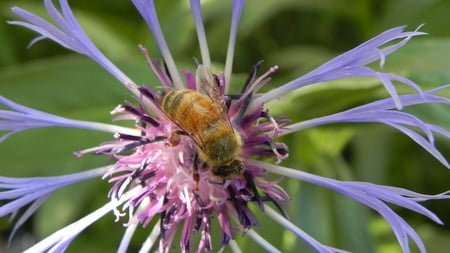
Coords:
297,35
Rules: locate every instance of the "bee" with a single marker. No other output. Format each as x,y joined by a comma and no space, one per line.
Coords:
203,116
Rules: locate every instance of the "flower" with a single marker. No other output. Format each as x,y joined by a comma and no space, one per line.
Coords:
162,171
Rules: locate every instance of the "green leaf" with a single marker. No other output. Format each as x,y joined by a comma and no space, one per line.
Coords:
432,13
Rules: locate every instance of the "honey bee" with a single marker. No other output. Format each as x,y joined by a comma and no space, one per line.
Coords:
203,116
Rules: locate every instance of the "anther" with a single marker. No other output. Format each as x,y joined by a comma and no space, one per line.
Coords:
251,186
252,75
141,142
146,92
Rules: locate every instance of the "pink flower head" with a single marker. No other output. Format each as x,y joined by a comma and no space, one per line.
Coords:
176,185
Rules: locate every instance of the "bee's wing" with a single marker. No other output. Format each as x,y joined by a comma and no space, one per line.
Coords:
208,84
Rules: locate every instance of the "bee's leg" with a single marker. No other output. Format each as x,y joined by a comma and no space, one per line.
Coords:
196,177
174,137
180,132
195,173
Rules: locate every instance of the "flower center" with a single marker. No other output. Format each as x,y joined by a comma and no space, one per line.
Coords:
190,159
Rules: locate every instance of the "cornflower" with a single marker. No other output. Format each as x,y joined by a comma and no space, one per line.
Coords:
159,175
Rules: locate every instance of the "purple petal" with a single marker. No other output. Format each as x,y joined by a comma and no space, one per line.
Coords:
68,34
407,100
65,235
373,196
151,239
24,118
203,43
401,197
27,214
238,5
262,242
381,112
424,143
126,238
24,200
352,64
60,239
300,233
23,191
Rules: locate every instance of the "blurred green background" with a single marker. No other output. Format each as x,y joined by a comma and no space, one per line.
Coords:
297,35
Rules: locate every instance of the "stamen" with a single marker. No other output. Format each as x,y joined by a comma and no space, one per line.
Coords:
140,143
277,205
123,186
281,153
251,186
252,75
128,137
187,199
251,86
140,113
276,128
149,119
156,68
131,109
147,92
240,206
247,92
259,83
243,109
162,223
205,240
198,220
199,200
